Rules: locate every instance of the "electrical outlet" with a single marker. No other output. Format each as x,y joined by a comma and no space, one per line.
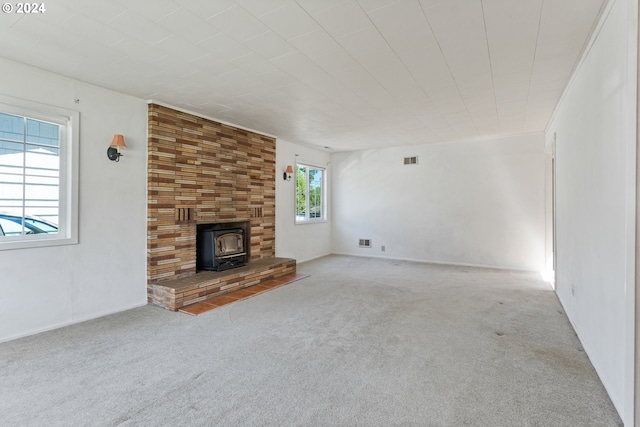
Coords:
382,248
573,290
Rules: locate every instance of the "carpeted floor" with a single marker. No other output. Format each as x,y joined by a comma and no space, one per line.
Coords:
361,342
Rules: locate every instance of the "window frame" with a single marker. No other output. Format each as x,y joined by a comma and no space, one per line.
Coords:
69,121
324,198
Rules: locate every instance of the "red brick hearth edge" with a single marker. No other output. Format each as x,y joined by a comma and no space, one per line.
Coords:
178,293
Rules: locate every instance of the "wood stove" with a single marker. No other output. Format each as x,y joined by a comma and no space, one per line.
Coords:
222,246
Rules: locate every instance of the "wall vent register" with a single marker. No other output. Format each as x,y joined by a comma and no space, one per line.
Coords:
411,160
364,243
184,214
256,212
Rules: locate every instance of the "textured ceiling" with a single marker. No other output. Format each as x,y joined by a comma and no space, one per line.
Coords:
348,74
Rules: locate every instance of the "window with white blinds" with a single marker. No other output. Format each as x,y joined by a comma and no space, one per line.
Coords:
37,191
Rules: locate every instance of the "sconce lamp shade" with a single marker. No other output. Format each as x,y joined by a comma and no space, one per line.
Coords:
113,152
288,172
118,141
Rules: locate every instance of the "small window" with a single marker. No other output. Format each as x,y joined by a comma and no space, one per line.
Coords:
310,194
37,179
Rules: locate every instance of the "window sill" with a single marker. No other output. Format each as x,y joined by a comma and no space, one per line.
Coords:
317,221
28,243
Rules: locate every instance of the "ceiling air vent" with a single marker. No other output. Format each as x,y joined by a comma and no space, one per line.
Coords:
411,160
364,243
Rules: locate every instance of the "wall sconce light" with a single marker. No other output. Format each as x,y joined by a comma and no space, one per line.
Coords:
288,173
113,152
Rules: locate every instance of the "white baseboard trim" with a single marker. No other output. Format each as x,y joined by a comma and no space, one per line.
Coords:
300,261
70,322
428,261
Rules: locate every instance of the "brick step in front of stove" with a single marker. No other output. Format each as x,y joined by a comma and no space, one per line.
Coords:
178,293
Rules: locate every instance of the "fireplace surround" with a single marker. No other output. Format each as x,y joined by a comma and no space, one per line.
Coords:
204,172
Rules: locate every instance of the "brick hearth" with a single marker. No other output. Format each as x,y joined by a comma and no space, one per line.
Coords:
175,294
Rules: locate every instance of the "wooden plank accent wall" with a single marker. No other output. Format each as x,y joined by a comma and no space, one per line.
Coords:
208,172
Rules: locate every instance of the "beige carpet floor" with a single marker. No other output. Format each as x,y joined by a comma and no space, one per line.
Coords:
361,342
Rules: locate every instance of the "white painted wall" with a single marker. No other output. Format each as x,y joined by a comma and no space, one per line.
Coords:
595,190
473,203
303,241
45,288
